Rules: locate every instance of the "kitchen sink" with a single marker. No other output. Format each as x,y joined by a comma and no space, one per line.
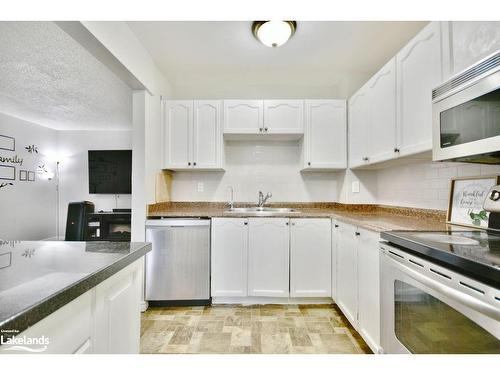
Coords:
261,210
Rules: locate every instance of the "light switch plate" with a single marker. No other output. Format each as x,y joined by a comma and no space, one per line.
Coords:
355,186
201,187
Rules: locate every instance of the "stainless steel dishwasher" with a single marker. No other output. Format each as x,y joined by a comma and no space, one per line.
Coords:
178,267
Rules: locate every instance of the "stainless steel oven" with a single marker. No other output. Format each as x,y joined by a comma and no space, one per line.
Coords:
466,115
426,308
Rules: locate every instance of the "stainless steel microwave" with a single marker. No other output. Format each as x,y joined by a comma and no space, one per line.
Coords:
466,115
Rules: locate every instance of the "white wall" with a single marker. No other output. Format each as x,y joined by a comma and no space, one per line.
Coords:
27,209
254,166
73,149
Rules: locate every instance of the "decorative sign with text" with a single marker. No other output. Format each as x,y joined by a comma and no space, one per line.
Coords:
467,197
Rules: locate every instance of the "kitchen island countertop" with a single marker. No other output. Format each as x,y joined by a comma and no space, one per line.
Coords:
39,277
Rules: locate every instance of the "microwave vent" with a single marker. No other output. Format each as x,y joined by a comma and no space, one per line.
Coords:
484,67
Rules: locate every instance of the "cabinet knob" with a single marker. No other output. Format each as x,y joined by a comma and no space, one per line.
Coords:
189,163
287,223
194,163
336,225
365,158
246,223
261,129
265,129
309,163
357,233
396,149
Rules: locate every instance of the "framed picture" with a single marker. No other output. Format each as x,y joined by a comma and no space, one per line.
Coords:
467,195
23,175
31,176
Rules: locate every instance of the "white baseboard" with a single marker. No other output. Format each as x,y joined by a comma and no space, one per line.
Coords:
271,300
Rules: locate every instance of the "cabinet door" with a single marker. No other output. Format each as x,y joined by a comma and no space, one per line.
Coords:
359,129
347,267
284,116
471,41
178,134
369,288
118,311
382,113
419,69
229,257
325,138
243,116
268,260
310,258
207,140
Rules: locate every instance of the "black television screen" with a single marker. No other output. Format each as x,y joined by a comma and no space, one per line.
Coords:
110,172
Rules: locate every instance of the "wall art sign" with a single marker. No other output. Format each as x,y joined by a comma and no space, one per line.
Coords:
32,149
467,196
7,172
5,184
11,159
7,143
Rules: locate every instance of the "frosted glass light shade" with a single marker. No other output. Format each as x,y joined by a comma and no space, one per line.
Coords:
274,33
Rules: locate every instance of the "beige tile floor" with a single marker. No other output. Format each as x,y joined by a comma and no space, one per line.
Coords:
258,329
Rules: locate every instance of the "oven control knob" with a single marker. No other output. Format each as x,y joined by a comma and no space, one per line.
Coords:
495,195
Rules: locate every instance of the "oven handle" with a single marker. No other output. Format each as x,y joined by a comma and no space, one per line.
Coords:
465,299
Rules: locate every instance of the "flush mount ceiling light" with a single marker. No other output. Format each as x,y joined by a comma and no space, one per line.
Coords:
273,33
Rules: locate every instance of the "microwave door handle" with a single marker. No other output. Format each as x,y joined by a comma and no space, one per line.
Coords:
451,293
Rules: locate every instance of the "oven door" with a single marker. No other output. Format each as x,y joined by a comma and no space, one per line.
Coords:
466,123
424,310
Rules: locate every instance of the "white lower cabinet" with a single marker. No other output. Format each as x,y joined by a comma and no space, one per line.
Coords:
117,314
369,288
310,258
104,320
229,259
347,272
268,257
358,289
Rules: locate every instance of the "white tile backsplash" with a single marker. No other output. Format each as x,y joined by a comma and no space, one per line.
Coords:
425,184
253,166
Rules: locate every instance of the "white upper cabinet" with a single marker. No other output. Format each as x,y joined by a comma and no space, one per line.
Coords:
192,136
310,258
178,127
471,41
419,68
243,116
325,138
207,150
359,128
283,116
268,260
382,113
229,256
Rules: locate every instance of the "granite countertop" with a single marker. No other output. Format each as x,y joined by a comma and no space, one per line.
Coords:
39,277
372,217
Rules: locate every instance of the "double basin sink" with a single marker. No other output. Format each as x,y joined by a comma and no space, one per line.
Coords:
261,210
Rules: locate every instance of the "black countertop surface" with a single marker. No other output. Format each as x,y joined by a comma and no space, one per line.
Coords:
37,278
473,253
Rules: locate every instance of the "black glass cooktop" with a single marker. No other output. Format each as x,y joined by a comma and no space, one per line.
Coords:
475,253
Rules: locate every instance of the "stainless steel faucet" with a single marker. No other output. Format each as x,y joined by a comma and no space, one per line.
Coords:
231,200
262,199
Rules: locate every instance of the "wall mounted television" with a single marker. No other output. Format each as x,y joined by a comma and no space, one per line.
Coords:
110,171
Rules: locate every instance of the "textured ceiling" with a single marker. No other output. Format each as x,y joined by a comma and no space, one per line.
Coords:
49,79
201,57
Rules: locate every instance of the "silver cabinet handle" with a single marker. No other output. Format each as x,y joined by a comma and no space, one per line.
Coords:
456,295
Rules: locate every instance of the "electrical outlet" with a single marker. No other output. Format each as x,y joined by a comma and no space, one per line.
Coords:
355,186
201,187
